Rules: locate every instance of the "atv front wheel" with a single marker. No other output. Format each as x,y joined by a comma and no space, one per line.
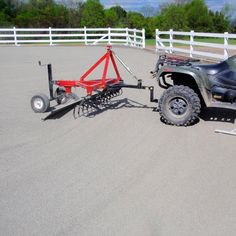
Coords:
179,105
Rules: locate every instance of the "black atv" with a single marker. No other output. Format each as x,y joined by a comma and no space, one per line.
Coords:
189,86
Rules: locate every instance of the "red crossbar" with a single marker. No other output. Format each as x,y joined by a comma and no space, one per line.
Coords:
92,85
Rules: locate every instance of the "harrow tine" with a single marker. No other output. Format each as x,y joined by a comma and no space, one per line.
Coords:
77,111
113,93
120,92
91,104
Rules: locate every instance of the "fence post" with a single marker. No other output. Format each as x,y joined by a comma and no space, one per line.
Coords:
15,36
226,43
135,38
191,42
144,38
157,36
109,35
127,36
50,36
171,40
85,36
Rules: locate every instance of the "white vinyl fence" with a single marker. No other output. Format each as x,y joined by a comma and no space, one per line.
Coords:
88,36
170,41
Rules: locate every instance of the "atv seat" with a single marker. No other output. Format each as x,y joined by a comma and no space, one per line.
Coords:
226,79
220,74
213,69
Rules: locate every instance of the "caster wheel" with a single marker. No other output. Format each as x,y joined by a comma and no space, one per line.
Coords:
60,95
40,103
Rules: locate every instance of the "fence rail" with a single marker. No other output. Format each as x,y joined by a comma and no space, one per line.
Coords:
170,41
52,36
174,41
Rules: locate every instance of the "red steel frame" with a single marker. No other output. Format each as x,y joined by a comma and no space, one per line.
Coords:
92,85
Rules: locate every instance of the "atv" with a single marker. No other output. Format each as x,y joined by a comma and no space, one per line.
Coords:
190,85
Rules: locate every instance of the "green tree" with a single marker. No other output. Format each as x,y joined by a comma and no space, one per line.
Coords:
4,20
180,15
56,16
27,19
173,17
229,12
122,14
220,23
119,11
7,11
42,13
111,17
150,27
75,15
135,20
198,16
92,14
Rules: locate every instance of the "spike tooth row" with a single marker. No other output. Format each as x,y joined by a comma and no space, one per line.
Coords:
89,105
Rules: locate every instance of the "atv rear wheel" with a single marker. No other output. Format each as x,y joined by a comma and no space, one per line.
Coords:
179,105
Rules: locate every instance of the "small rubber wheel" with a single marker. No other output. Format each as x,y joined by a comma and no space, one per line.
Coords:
179,105
40,103
60,95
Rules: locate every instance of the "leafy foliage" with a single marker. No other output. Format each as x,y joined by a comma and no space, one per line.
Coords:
92,14
43,13
198,16
173,17
182,15
111,17
194,15
135,20
229,11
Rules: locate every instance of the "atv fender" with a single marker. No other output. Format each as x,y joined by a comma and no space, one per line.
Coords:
173,75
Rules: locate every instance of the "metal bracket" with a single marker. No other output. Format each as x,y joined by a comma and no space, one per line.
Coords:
232,132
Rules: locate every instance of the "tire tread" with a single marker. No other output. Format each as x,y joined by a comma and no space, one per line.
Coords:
194,100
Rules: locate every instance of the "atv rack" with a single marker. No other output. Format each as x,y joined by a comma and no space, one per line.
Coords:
174,60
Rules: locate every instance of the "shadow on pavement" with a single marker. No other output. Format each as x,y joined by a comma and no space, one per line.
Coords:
95,110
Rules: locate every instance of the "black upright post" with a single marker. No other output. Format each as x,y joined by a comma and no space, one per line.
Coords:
152,99
50,82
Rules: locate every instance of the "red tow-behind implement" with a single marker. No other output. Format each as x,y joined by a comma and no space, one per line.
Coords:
93,85
99,91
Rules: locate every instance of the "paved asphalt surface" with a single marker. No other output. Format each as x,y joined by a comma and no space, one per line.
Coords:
120,172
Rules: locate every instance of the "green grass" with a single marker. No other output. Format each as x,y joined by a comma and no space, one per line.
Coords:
215,40
150,42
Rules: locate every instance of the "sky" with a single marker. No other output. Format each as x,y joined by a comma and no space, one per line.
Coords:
130,5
